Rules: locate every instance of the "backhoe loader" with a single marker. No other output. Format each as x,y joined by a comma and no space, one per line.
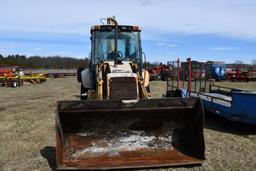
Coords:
116,125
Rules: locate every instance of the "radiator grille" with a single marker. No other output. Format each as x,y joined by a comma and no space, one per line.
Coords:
124,88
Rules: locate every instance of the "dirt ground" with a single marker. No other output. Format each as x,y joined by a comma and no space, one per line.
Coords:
27,133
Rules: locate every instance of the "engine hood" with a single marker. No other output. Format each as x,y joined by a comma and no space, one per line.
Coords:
125,67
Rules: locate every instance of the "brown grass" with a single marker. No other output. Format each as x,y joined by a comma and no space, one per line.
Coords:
27,133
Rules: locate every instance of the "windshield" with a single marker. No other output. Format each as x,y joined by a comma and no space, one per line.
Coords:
128,46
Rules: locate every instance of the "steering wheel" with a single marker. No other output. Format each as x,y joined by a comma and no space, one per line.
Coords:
111,55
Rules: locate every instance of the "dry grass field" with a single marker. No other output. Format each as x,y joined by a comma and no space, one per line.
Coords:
27,133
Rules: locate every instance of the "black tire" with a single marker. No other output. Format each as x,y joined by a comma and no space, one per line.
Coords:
82,92
78,74
14,83
20,82
148,88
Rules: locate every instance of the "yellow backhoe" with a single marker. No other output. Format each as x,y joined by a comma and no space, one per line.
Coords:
116,125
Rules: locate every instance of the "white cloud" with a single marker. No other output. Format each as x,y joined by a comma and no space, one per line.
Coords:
146,2
167,44
222,48
3,52
7,46
37,50
172,45
224,17
63,53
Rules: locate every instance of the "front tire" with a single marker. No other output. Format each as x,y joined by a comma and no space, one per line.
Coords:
83,93
79,74
148,88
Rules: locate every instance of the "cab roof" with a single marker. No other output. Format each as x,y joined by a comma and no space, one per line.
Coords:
122,28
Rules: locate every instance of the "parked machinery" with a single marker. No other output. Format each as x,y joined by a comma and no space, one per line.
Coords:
233,104
117,125
13,77
9,76
237,74
160,72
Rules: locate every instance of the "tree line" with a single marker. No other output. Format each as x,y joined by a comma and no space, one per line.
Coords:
39,62
57,62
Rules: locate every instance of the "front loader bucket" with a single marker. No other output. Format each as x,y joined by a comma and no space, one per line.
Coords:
114,134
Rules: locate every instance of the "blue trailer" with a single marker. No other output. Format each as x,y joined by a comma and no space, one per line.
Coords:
232,104
235,105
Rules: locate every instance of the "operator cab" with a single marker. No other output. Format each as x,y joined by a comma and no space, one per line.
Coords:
115,70
103,43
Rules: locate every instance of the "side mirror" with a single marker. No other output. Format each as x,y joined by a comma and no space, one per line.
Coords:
144,57
144,60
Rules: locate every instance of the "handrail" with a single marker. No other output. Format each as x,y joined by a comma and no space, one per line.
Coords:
212,97
228,88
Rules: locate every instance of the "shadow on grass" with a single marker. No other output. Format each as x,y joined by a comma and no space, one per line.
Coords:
49,153
221,124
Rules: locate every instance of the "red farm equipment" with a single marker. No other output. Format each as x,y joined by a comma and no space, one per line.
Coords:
160,72
13,76
8,76
238,74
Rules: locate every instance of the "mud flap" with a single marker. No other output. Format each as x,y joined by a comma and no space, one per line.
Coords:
113,134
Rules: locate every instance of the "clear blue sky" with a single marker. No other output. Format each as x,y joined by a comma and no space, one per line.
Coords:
223,30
